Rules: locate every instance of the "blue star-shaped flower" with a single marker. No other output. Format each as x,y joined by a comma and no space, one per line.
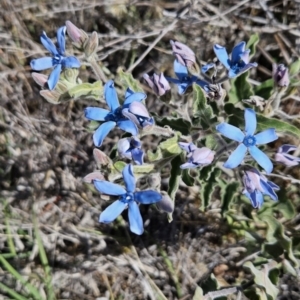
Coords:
248,141
114,117
256,186
239,62
184,79
58,61
127,198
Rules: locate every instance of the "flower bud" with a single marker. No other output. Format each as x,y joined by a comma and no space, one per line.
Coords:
184,55
256,186
92,176
131,149
91,45
281,75
78,36
101,158
138,114
197,156
158,83
285,158
51,96
165,204
39,78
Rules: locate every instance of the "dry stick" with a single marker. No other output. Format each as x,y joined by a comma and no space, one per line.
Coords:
163,33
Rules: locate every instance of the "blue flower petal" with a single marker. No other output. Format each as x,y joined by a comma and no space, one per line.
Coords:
222,55
96,113
102,131
70,62
42,63
188,165
61,39
206,67
236,157
266,136
173,80
236,52
231,132
139,96
182,88
147,197
135,218
138,156
273,186
129,178
109,188
202,83
110,95
267,190
48,44
180,70
112,212
262,159
128,126
242,69
250,121
54,77
128,92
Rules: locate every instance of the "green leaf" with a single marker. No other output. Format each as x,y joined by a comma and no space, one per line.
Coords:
240,89
294,68
127,80
211,142
87,90
177,124
175,177
227,194
145,168
207,188
262,279
187,178
265,89
201,110
199,99
275,234
154,156
198,294
170,146
252,43
280,126
119,165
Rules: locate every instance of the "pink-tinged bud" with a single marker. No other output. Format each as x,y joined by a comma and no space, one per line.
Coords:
101,158
138,114
51,96
184,55
281,75
165,204
251,180
78,36
158,83
92,176
285,158
197,157
39,78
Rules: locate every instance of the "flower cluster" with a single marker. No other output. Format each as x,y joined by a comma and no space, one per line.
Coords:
133,117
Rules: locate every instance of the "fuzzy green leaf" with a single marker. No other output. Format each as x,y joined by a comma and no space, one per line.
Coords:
261,278
145,168
127,80
252,43
265,89
170,146
294,68
240,89
177,124
87,90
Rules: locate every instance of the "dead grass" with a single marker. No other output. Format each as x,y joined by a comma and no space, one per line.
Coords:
45,150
